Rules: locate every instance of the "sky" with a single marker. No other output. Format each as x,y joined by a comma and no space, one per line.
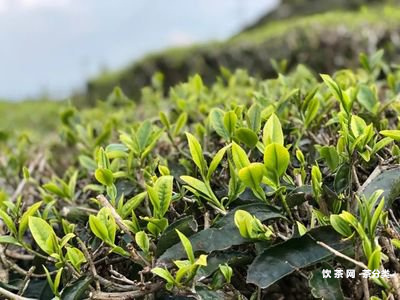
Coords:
54,46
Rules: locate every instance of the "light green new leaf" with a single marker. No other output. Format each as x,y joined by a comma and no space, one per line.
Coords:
247,136
331,156
8,221
276,160
216,161
76,257
394,134
65,239
252,175
357,125
142,240
226,271
334,89
164,273
180,123
23,224
163,187
311,111
186,245
196,184
374,261
131,204
196,152
6,239
41,232
272,132
105,217
254,117
143,134
376,215
340,225
230,120
53,188
201,261
367,98
104,176
99,229
301,228
164,119
243,221
239,156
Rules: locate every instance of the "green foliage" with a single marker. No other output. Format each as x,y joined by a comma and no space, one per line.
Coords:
172,196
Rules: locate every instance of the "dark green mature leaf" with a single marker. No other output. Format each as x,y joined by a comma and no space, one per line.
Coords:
342,178
325,288
296,253
169,237
77,289
299,195
384,179
229,257
224,234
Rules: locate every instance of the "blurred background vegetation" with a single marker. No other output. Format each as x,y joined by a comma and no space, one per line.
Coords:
324,35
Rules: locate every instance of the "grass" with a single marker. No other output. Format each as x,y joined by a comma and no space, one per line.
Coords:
34,116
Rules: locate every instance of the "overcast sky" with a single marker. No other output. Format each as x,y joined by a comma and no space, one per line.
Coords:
55,45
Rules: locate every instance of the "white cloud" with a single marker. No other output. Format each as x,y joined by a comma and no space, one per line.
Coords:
180,38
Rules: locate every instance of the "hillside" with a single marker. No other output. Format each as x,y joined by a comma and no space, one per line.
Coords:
324,42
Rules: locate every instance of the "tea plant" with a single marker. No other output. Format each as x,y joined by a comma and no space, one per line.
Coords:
234,190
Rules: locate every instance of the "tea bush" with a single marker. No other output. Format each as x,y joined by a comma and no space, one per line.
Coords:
243,189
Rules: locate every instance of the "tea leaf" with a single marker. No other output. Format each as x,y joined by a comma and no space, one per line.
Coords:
272,132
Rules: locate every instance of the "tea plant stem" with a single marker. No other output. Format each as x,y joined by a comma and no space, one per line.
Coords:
285,205
148,289
174,144
16,255
26,280
353,169
90,261
396,285
337,253
105,203
15,267
364,282
12,296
